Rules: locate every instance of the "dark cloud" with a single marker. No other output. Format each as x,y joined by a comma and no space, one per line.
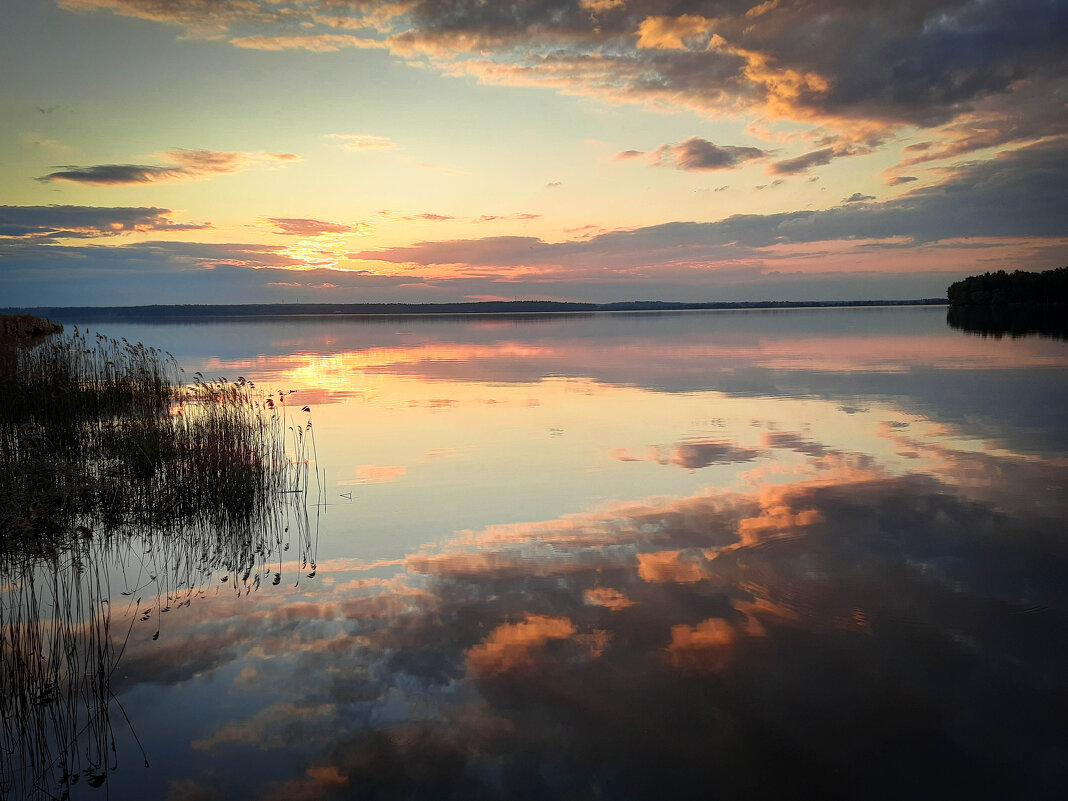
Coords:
34,274
835,61
694,455
187,164
857,197
57,222
790,440
1030,113
799,164
700,154
103,174
898,180
301,226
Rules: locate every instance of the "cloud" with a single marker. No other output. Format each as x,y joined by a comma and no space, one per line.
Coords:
607,597
791,440
806,161
693,455
375,474
61,222
639,640
186,165
1012,205
317,43
696,154
1017,194
696,454
513,645
103,174
301,226
205,18
276,727
482,218
857,197
553,184
358,142
898,180
498,217
682,32
838,64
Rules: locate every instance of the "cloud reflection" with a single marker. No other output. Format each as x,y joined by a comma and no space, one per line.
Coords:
792,617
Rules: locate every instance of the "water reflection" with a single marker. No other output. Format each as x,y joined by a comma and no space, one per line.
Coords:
69,616
825,632
854,356
1015,321
637,558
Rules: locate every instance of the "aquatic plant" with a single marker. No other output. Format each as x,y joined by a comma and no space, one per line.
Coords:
116,471
104,434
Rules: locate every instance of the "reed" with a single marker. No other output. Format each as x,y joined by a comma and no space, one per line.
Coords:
106,431
114,471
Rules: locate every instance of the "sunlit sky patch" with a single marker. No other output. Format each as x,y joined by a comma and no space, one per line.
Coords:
575,149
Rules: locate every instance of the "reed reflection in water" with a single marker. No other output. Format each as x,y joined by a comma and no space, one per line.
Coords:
124,494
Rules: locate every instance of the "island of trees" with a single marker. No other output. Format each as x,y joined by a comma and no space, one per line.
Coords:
1018,303
1005,289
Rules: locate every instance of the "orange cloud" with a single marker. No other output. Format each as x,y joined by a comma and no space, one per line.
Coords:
511,644
680,567
607,597
704,647
673,33
317,43
375,474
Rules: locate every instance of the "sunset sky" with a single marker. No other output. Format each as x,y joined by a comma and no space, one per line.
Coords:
209,151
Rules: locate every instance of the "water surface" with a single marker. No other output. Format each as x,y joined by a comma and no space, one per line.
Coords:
735,554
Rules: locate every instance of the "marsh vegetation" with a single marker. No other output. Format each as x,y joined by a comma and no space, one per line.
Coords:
25,328
126,492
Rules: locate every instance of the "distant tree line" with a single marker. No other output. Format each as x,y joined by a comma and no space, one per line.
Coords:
1019,287
388,309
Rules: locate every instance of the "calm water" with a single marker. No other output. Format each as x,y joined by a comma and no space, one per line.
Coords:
736,555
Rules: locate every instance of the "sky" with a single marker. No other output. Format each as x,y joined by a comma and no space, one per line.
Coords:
250,151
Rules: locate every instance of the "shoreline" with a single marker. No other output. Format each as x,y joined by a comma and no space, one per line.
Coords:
479,309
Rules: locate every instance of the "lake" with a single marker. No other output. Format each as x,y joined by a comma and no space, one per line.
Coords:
739,555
